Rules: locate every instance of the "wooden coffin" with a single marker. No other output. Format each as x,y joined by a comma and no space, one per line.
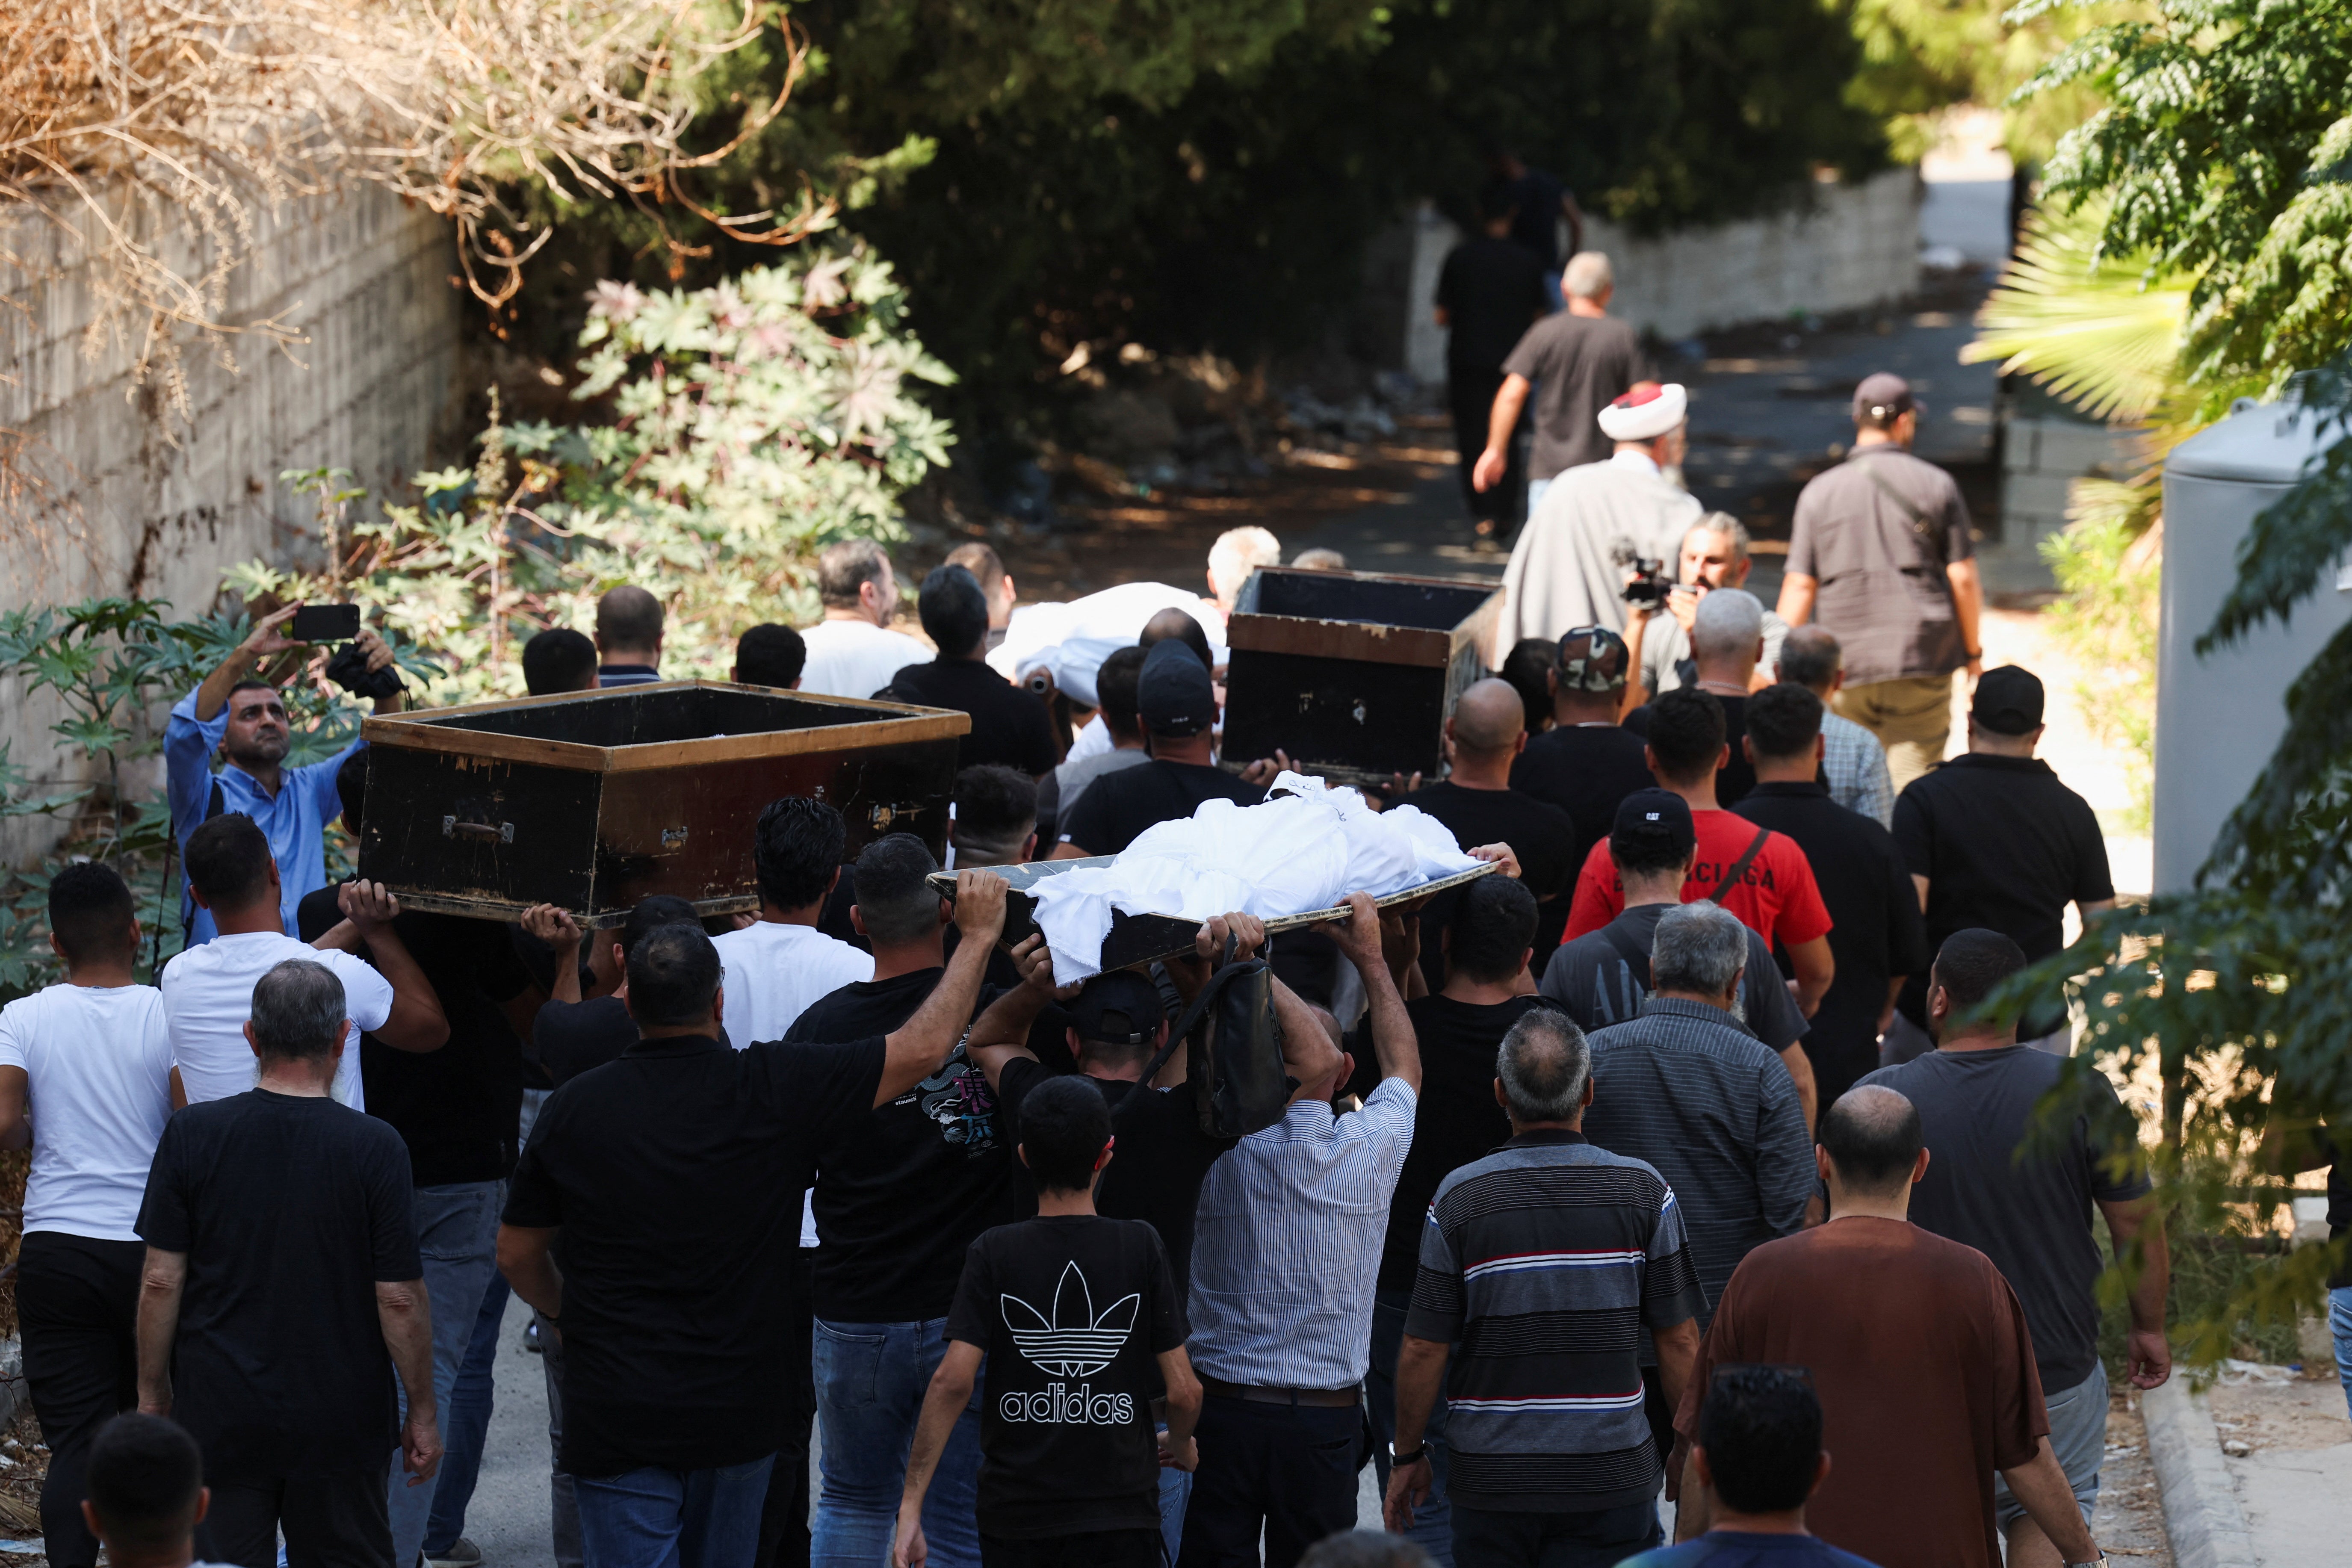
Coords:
1147,939
594,800
1352,673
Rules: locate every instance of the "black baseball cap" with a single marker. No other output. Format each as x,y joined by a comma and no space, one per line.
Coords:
1118,1007
1882,397
1658,816
2008,700
1174,696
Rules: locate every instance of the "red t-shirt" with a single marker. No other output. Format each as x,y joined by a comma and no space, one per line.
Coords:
1776,895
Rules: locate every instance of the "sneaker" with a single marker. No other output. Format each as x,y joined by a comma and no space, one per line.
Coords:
462,1553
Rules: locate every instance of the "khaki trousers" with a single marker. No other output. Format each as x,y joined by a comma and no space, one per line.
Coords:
1911,717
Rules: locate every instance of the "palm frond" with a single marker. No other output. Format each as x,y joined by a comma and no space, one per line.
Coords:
2098,331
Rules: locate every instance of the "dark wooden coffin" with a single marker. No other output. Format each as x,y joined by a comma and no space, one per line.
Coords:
1350,673
593,800
1138,939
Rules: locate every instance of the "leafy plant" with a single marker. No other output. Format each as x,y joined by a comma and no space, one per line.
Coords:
750,423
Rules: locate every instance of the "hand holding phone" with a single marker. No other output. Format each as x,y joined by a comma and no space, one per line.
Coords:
325,623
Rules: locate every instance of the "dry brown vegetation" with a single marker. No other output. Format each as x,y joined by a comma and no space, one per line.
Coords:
157,132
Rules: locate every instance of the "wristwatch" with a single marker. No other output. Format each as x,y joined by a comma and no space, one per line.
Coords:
1421,1453
2098,1562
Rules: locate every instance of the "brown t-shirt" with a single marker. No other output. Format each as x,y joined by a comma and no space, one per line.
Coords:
1883,593
1580,365
1924,1368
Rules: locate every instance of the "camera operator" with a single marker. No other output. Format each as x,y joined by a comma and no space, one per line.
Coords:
242,717
1715,554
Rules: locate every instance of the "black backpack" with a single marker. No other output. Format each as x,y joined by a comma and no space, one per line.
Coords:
1235,1042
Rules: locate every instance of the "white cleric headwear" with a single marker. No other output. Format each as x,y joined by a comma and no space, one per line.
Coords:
1646,413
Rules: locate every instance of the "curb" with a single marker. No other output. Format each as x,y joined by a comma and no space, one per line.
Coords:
2202,1519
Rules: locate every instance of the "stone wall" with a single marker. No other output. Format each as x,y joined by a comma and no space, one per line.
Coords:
134,497
1848,248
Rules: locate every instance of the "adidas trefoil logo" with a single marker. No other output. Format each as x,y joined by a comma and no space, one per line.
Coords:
1075,1342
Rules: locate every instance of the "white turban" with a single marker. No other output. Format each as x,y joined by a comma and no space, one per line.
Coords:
1646,413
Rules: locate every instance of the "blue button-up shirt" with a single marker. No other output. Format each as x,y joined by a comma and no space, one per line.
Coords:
1287,1245
294,819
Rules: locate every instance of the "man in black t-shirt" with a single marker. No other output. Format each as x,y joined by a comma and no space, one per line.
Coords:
283,1290
1179,708
1489,291
459,1110
1586,763
571,1034
1010,726
899,1193
666,1185
1603,977
1485,737
1083,1328
1877,937
1487,987
1993,840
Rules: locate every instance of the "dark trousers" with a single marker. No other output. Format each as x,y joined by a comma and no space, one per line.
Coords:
1661,1415
1472,394
337,1520
1102,1549
1289,1470
77,1300
784,1517
1489,1538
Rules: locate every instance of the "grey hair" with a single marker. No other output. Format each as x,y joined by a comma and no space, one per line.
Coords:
1588,276
297,1010
1722,525
1728,624
1365,1549
1544,1064
1699,948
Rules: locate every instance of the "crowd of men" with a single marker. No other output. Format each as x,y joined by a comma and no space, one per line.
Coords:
1705,1154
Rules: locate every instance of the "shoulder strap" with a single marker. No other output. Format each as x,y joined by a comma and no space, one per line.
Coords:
1739,866
1628,950
1186,1022
1922,526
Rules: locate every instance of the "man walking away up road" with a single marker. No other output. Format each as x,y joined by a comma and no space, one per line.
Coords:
1993,840
666,1185
628,637
1852,759
1288,1251
1578,359
1456,1122
1918,1437
1489,291
282,1292
1586,763
1882,554
1603,977
1876,936
1543,1263
1069,1475
2000,1184
93,1057
1757,1458
1542,203
1686,1089
1570,566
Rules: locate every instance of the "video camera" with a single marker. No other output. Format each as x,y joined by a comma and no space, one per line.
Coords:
1649,584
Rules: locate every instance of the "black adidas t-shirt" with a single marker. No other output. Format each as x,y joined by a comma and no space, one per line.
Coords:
1074,1311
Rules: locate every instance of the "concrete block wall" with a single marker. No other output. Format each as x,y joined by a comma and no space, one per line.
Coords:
2042,455
134,497
1847,247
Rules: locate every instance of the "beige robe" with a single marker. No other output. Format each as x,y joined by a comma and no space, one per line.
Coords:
1564,570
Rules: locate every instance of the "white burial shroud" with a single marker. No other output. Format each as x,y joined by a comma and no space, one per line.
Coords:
1305,847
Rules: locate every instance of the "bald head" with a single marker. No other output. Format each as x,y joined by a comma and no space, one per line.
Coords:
1872,1141
629,621
1489,718
1727,628
1172,622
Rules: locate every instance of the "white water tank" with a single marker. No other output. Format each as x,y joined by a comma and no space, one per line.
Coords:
2219,717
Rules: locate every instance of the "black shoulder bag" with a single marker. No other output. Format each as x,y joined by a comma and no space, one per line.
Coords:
1234,1063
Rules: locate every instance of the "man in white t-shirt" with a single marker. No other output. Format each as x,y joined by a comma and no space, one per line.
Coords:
208,990
90,1060
771,970
852,652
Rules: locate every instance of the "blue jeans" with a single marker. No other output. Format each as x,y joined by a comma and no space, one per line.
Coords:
465,1423
2339,1323
1175,1495
457,1234
1432,1522
870,1383
673,1519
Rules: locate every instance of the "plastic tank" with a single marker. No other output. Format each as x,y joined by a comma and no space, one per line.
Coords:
2219,718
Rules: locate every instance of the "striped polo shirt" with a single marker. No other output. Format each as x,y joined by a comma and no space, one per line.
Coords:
1541,1265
